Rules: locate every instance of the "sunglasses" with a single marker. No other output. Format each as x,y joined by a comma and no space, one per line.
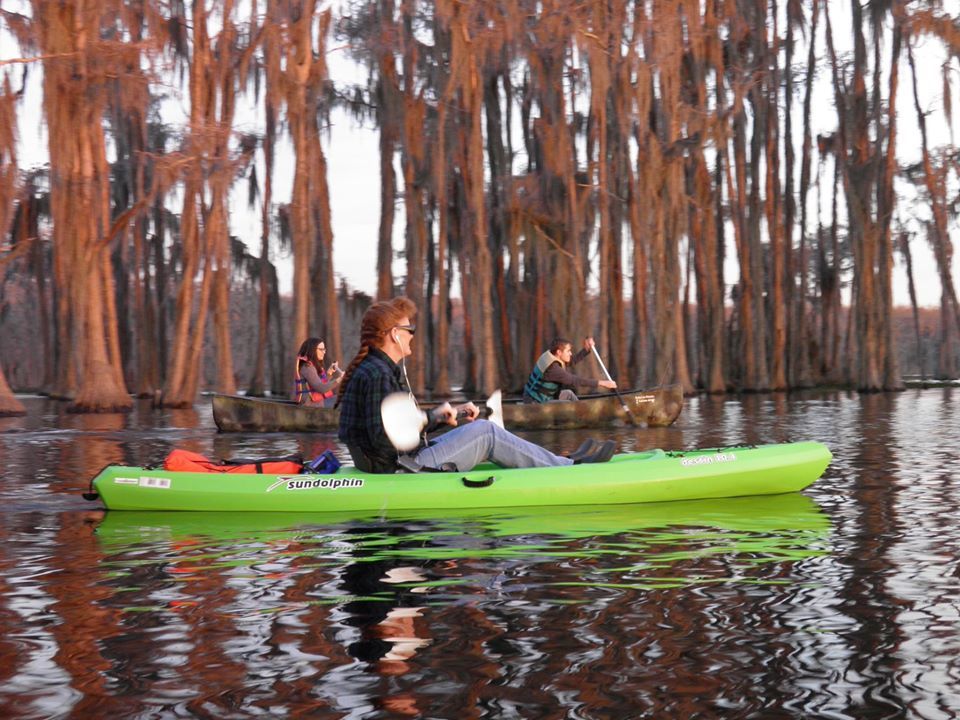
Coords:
412,329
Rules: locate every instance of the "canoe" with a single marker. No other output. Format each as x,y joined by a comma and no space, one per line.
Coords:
657,407
651,476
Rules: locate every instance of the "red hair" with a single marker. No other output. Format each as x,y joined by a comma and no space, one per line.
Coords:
379,319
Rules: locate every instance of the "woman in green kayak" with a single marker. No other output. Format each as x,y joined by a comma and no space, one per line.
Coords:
379,369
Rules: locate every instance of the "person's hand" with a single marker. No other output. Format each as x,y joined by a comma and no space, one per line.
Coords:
608,384
468,412
445,414
588,343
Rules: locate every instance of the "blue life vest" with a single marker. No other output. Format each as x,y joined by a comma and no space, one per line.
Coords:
538,389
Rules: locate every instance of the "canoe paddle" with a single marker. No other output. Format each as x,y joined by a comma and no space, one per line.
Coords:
403,419
623,403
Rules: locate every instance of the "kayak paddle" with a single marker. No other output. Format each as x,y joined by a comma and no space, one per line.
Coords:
403,419
623,403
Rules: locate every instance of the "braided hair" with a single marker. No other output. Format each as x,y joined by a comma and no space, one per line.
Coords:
377,321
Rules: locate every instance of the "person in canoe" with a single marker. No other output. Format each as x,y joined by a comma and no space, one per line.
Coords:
312,384
379,369
550,378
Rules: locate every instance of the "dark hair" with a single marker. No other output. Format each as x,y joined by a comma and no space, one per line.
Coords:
557,343
377,321
308,353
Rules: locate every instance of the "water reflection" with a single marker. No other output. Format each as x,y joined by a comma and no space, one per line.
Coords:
352,598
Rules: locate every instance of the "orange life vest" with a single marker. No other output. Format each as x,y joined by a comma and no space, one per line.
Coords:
301,388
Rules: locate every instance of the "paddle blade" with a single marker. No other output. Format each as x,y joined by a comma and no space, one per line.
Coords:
402,420
495,408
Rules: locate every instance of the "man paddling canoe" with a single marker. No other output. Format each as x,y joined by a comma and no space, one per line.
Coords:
550,379
378,370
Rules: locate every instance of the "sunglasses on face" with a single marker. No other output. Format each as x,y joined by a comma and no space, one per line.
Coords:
412,329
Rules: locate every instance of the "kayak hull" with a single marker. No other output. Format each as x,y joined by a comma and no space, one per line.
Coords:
652,476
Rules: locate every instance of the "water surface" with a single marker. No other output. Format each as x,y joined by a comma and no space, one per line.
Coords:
838,602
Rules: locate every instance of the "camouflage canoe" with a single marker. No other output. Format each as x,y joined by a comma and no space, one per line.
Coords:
658,407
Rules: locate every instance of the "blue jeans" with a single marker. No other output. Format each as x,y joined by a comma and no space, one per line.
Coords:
473,443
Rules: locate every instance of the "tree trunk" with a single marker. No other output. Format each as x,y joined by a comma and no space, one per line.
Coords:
389,122
415,204
9,182
477,211
74,77
892,379
300,96
271,61
802,376
499,175
325,284
703,199
904,245
218,239
940,234
779,231
441,379
9,405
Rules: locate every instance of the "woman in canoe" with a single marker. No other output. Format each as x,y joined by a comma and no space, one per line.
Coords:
312,384
386,337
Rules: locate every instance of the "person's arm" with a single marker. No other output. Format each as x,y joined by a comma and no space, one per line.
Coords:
557,374
579,355
447,414
309,373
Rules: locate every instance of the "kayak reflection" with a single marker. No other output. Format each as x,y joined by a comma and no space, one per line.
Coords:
350,595
754,513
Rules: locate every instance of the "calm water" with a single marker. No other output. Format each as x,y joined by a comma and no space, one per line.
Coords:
841,602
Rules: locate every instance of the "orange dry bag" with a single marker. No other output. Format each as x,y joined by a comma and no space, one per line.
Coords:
186,461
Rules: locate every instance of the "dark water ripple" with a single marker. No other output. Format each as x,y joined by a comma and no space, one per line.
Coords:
839,603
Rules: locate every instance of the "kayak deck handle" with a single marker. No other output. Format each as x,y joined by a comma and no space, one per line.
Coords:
477,483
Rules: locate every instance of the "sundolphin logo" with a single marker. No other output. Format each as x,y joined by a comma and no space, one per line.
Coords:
306,482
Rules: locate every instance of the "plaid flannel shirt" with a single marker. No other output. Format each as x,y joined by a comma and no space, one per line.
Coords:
360,423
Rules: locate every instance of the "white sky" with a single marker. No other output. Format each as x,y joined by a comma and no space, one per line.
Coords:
353,163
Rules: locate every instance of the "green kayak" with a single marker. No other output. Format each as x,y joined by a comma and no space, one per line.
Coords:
652,476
